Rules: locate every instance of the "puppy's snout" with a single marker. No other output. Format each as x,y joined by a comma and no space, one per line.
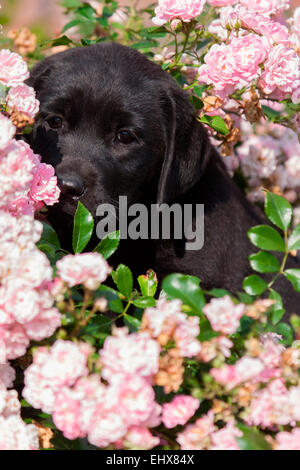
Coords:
70,185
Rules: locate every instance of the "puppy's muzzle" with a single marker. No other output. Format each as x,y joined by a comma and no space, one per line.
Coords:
70,185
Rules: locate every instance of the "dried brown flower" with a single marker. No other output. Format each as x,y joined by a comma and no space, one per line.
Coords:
24,40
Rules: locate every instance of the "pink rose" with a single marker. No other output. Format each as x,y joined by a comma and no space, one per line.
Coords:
179,410
7,131
13,69
185,10
89,269
44,187
23,98
288,440
282,71
266,7
224,315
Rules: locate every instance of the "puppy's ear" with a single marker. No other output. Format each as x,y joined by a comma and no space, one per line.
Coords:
187,148
39,74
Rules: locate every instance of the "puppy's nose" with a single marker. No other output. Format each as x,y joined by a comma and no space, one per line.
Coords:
70,185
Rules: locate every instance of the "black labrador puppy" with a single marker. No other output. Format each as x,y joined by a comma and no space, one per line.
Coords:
113,123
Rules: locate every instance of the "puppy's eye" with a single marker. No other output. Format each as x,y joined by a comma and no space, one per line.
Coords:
125,137
55,122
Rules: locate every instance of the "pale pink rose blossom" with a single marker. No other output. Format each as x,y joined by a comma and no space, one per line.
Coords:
282,72
135,398
224,315
7,131
89,269
16,435
53,368
197,436
184,10
22,97
136,354
44,185
138,438
288,440
7,375
224,439
13,69
221,3
179,410
266,7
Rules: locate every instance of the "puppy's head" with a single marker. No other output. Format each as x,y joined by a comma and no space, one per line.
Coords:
113,123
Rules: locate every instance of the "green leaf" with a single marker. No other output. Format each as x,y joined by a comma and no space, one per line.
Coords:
62,41
49,237
124,280
148,283
108,244
277,310
218,292
114,302
278,210
186,288
264,262
71,24
266,238
216,123
206,331
82,229
293,275
71,3
199,89
144,302
134,324
87,12
144,45
286,331
270,113
198,104
294,239
254,285
252,439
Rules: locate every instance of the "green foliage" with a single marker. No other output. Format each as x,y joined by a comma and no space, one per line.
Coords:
108,244
187,289
82,229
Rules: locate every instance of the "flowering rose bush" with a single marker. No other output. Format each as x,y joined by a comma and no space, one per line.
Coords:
188,369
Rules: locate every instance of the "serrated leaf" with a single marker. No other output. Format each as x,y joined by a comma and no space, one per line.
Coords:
293,275
216,123
270,113
266,238
124,280
294,239
278,210
254,285
108,244
186,288
264,262
82,228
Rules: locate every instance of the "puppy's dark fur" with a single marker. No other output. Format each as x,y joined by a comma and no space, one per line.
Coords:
102,89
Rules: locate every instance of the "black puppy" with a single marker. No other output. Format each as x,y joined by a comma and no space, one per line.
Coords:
113,123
